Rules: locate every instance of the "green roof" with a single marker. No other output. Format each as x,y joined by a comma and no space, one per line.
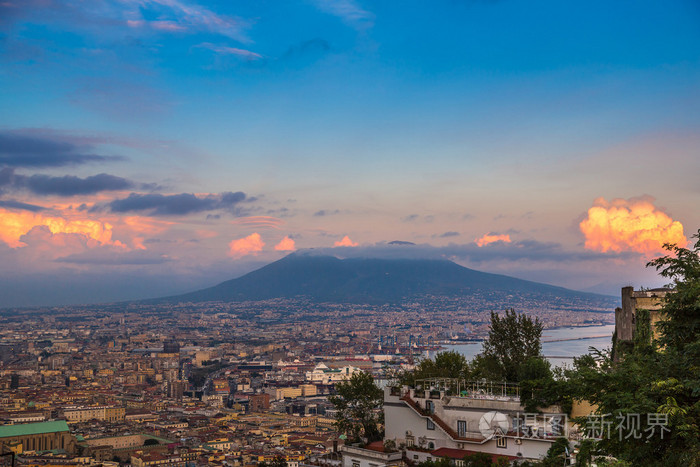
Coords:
23,429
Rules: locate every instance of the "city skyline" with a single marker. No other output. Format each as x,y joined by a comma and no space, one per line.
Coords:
153,147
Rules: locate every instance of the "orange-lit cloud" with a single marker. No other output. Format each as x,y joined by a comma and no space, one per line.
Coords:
259,222
250,245
630,225
492,238
13,225
345,242
286,244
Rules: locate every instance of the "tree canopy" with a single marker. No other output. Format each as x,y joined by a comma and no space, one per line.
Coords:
513,340
359,403
450,364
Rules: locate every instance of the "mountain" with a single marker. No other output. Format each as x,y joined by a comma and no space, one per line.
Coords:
371,281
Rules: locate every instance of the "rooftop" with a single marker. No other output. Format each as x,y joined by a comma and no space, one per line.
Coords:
7,431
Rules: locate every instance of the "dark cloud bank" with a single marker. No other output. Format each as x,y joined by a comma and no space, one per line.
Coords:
178,204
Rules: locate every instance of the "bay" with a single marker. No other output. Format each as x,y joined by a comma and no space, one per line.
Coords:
559,345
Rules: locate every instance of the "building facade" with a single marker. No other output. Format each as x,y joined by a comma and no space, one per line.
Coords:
634,303
434,422
43,436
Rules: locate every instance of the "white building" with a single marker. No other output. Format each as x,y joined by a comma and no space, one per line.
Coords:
321,374
360,457
447,418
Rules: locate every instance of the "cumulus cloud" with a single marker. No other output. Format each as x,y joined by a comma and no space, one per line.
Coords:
630,225
492,238
48,242
178,204
345,242
286,244
250,245
21,150
14,225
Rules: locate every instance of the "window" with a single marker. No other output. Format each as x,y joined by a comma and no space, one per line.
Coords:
461,428
501,442
410,440
429,407
431,425
431,445
355,463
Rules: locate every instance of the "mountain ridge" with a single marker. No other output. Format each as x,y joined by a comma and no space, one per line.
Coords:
325,278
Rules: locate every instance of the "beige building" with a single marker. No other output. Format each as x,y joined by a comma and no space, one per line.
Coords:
303,390
85,414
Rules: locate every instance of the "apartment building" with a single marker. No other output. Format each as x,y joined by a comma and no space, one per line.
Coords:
450,418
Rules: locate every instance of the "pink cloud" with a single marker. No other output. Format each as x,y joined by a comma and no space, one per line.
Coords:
345,242
492,238
286,244
250,245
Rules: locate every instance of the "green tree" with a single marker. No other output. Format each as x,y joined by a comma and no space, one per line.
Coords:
538,386
359,402
478,459
450,364
513,339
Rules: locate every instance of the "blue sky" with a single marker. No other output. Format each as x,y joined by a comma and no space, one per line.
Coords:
432,123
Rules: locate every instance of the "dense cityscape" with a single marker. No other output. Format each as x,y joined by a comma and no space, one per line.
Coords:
238,383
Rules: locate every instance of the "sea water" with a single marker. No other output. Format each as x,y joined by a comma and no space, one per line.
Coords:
558,345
